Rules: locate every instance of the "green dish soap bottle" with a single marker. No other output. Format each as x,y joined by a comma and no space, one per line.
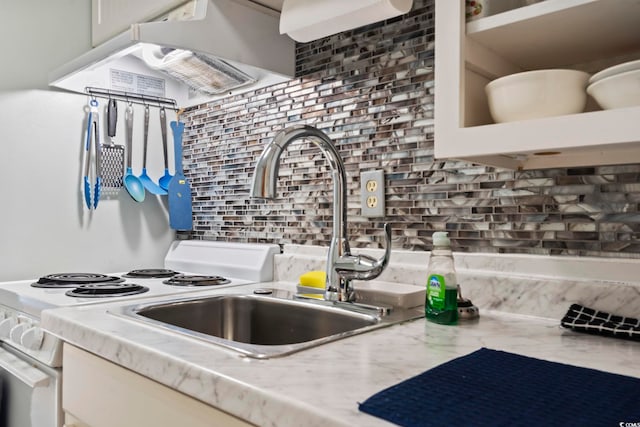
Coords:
441,305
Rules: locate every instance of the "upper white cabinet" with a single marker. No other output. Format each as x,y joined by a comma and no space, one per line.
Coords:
111,17
589,35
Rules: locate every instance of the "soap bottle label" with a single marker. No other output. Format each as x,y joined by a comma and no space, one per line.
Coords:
436,291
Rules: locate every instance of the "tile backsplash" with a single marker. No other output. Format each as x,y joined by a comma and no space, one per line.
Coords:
371,91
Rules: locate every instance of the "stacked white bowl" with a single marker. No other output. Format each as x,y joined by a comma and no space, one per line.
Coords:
617,86
537,94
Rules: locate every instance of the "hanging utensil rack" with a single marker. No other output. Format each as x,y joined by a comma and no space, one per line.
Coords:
131,97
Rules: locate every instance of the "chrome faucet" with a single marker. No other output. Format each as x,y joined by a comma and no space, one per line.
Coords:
342,266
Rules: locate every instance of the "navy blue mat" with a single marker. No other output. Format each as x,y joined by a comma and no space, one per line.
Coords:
496,388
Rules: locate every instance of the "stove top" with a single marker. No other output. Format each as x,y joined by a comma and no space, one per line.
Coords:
189,265
219,263
31,298
96,285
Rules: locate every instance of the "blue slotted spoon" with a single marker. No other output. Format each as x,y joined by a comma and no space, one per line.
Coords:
151,186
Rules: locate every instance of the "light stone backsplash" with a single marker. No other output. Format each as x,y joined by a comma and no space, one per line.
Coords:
520,284
371,91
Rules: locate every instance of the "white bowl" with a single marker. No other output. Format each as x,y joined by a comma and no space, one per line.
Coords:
537,94
616,69
618,91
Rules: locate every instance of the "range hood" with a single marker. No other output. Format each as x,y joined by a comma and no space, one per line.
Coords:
220,47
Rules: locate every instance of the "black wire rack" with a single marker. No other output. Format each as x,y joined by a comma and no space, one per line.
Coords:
131,97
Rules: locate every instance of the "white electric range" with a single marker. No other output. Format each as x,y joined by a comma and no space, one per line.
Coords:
31,359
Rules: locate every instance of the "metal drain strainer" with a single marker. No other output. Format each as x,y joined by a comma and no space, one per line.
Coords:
466,309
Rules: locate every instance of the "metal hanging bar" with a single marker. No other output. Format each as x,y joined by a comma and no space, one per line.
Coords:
135,98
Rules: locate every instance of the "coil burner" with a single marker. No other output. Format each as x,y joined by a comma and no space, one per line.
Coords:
73,280
188,280
106,290
150,273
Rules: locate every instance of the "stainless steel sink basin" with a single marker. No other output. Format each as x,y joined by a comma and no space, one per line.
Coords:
263,326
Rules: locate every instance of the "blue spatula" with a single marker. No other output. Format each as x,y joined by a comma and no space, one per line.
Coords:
180,210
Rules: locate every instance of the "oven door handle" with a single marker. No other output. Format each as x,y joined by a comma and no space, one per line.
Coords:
22,370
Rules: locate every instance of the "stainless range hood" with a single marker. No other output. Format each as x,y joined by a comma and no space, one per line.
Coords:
207,49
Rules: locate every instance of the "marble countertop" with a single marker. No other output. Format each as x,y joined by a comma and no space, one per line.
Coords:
322,386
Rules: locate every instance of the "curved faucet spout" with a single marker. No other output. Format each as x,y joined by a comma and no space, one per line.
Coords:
364,267
265,176
264,186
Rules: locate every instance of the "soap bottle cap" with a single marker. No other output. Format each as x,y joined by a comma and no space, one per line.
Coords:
440,238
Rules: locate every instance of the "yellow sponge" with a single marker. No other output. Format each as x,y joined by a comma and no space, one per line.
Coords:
313,279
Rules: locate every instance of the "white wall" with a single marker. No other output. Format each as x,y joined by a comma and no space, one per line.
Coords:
44,225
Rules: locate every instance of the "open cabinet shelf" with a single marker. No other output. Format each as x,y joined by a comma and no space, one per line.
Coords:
580,34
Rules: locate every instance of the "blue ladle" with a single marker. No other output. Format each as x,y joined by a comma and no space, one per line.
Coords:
131,182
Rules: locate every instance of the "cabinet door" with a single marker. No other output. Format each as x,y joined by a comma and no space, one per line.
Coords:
589,35
99,393
111,17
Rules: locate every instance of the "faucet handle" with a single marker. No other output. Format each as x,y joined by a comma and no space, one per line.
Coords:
364,267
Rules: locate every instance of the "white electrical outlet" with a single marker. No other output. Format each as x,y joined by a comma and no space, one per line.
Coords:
372,193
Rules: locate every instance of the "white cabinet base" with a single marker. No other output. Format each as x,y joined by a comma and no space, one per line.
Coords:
99,393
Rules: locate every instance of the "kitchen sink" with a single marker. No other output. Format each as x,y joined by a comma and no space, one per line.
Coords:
268,324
